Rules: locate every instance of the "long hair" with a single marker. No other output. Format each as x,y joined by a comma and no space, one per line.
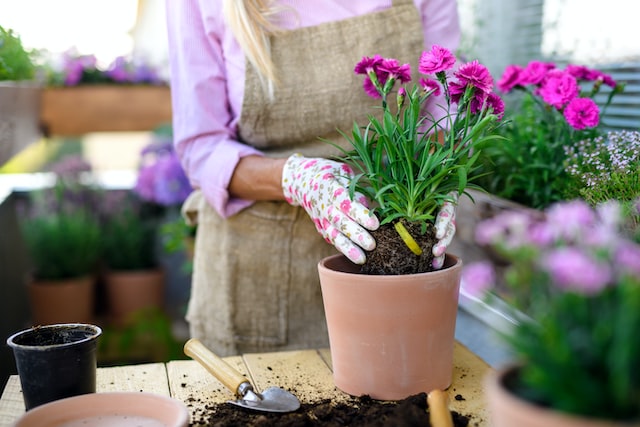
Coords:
250,22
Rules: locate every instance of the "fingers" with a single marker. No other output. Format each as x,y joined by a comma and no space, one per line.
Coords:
445,217
352,230
349,249
441,245
437,262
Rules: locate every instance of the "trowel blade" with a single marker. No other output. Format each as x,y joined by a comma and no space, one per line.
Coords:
273,399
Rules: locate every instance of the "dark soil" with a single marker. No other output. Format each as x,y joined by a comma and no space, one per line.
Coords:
393,257
356,412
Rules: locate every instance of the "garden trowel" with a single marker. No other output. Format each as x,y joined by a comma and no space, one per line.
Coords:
273,399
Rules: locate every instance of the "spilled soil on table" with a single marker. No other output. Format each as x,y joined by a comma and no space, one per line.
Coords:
356,412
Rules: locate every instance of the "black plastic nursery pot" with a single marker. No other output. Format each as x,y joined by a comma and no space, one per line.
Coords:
55,361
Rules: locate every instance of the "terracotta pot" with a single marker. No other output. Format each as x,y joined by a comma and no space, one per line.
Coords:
390,336
62,301
131,291
508,410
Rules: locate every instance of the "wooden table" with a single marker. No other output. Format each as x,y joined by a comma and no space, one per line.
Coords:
307,372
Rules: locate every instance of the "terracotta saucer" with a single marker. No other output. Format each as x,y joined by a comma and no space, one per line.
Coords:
107,410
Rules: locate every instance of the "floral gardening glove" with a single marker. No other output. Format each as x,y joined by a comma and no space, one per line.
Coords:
320,186
445,230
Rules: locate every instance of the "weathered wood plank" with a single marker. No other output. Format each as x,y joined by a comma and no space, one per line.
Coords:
304,373
148,377
466,395
11,403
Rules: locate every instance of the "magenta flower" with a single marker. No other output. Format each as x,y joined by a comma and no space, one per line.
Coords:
436,60
391,68
535,72
582,113
573,270
496,104
569,219
558,89
475,74
430,85
510,78
367,64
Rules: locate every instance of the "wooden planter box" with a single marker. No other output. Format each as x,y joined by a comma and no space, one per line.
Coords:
19,121
77,110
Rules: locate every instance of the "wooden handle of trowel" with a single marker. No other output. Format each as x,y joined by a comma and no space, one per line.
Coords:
439,414
230,377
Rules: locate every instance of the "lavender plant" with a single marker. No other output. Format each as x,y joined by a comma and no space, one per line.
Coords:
576,277
76,69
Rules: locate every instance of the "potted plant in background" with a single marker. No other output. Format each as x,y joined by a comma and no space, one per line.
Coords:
577,278
392,332
548,110
62,235
133,277
19,95
134,229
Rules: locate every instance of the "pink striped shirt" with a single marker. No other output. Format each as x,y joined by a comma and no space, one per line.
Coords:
207,79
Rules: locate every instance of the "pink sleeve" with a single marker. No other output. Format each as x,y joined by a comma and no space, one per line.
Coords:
440,23
203,121
441,26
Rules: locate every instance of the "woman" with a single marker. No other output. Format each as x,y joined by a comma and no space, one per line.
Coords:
255,86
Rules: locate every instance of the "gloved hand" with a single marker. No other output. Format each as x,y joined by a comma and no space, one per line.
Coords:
445,225
320,186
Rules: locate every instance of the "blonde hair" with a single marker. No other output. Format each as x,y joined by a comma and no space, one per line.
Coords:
250,22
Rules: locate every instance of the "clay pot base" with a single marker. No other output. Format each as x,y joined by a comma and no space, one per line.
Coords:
354,411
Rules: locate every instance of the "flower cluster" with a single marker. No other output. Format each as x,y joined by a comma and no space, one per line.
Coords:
559,89
409,162
605,167
575,274
161,178
556,110
76,69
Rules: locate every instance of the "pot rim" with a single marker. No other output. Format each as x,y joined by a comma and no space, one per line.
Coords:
455,262
97,331
494,385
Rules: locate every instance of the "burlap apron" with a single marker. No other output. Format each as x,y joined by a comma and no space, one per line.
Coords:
255,284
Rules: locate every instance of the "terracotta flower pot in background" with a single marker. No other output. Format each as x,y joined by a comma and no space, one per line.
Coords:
390,336
506,409
62,301
131,291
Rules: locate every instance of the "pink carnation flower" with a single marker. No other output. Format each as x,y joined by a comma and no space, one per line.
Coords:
436,60
558,89
510,78
582,113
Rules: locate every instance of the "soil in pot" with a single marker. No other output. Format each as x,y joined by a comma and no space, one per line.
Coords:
355,411
393,257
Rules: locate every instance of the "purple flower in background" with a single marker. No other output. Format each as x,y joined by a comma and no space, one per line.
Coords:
171,186
573,270
118,70
478,278
161,178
